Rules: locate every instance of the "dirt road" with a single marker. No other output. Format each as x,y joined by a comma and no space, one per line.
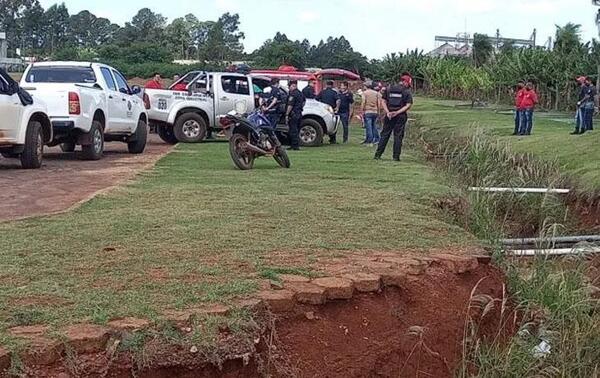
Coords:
64,181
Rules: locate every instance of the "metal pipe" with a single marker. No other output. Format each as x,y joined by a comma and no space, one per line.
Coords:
552,240
520,190
554,252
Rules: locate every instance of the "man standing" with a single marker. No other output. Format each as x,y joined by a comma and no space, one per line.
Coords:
330,97
276,103
586,106
528,103
396,102
309,91
155,83
345,108
518,107
370,110
293,115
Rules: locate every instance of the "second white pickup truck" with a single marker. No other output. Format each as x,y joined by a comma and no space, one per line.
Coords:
88,104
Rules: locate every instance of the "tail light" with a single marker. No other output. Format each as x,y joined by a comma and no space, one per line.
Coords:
224,122
146,101
74,104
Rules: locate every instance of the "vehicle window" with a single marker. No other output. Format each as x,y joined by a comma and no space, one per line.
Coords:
235,84
4,87
61,74
121,82
108,78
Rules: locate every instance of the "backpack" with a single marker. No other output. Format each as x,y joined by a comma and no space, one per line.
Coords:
395,96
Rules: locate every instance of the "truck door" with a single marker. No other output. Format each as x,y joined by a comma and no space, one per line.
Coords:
113,101
232,89
11,110
124,106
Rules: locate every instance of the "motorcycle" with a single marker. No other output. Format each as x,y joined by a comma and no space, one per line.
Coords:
252,137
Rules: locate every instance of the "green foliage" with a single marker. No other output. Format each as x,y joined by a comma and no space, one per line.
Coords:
482,49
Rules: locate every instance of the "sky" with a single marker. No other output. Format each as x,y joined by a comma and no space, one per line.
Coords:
373,27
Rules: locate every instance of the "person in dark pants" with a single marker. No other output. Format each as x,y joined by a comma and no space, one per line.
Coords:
396,102
586,106
293,115
345,109
330,97
518,107
309,91
275,106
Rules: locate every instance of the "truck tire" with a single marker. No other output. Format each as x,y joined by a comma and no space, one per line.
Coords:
67,147
190,128
31,158
165,133
95,150
311,133
138,144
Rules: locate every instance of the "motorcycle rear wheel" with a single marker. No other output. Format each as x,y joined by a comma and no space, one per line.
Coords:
242,158
282,158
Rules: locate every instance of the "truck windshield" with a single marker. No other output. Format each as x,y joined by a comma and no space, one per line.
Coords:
62,74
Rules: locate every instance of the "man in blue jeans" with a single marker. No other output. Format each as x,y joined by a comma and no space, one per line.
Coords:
370,109
586,106
345,109
528,103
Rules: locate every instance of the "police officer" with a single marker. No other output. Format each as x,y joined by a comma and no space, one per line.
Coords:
293,115
275,105
330,97
309,91
396,101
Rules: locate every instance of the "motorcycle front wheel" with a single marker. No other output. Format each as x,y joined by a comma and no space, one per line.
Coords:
242,158
282,158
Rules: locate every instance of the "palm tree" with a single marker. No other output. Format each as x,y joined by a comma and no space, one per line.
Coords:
568,38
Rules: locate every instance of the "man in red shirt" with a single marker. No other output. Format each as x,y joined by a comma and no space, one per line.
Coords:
155,83
528,103
518,109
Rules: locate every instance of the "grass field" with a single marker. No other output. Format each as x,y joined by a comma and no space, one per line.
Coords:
578,155
196,230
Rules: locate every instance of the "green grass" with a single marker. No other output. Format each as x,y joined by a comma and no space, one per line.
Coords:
195,230
577,156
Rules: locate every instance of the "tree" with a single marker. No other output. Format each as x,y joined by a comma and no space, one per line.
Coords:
223,40
281,51
148,26
12,21
482,49
568,38
56,27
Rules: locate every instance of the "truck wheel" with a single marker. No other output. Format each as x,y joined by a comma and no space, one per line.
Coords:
138,144
311,133
31,158
95,150
166,134
67,147
190,128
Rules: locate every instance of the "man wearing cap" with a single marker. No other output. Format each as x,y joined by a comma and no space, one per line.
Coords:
518,107
293,115
396,102
529,100
585,106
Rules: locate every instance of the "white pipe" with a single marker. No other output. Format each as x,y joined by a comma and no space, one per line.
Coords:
552,240
554,252
520,190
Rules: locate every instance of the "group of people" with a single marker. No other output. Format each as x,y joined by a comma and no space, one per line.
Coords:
391,103
526,100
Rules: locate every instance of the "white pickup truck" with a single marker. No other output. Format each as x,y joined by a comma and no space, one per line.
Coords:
88,104
24,124
190,108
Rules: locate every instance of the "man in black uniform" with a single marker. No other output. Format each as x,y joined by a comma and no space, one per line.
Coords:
293,115
330,97
275,105
309,91
396,102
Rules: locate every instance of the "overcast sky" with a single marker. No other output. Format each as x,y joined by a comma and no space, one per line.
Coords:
374,27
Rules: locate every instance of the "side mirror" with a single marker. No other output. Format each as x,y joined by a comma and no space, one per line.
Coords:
123,90
14,88
136,90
